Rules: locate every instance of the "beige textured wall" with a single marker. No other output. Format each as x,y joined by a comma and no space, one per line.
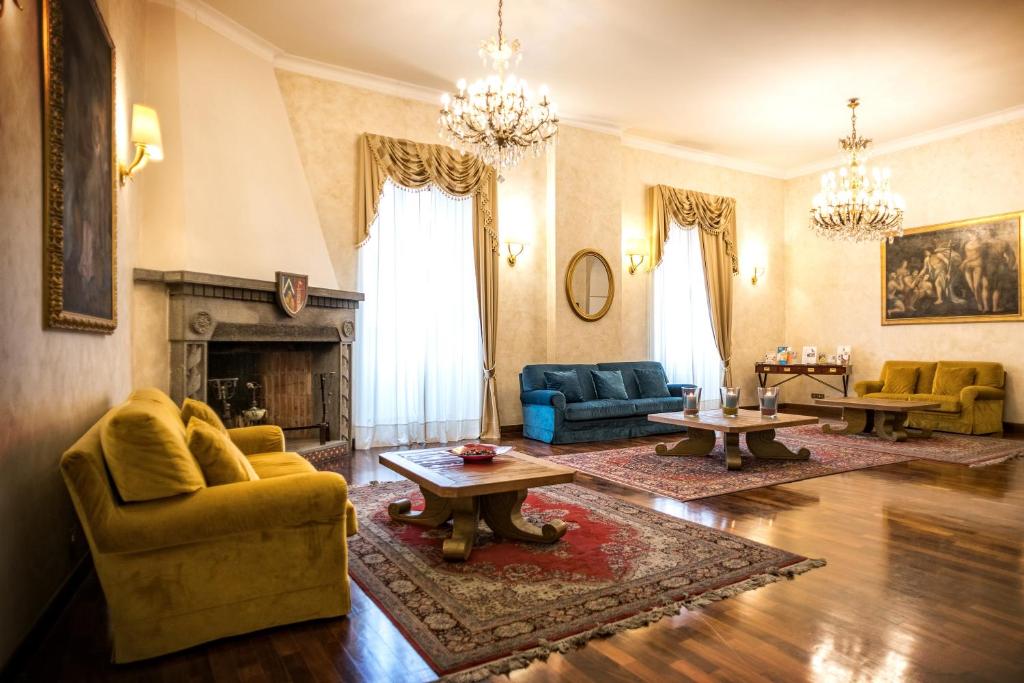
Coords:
833,292
55,384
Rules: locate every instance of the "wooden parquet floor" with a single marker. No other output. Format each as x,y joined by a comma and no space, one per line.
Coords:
925,582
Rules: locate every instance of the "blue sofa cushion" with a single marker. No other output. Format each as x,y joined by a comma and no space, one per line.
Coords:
598,410
628,370
608,384
532,377
647,406
566,382
653,383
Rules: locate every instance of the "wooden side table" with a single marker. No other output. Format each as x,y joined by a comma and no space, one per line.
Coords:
815,372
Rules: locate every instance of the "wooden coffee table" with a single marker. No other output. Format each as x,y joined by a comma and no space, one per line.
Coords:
465,492
760,434
887,417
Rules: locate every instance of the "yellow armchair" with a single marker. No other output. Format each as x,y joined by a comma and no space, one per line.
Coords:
221,561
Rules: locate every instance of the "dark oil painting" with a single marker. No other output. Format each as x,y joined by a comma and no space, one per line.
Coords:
959,272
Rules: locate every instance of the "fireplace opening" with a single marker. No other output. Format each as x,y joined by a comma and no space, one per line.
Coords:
294,385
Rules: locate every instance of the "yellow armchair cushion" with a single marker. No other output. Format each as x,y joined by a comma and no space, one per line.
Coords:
146,451
269,465
949,381
900,380
192,408
218,456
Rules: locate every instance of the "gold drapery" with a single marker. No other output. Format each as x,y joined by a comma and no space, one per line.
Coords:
415,165
715,217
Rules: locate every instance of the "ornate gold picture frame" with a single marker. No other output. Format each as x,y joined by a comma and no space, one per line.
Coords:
961,272
80,168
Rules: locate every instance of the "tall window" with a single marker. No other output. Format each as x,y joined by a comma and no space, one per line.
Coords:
682,338
418,354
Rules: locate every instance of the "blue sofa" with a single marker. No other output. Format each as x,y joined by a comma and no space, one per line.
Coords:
547,417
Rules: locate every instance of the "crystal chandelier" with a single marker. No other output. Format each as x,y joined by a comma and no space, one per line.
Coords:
856,204
497,118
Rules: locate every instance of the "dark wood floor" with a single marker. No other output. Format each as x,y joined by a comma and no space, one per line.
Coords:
925,582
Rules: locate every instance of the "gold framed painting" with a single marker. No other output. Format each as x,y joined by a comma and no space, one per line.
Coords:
80,169
961,272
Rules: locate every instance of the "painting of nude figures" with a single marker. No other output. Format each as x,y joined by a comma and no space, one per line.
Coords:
968,271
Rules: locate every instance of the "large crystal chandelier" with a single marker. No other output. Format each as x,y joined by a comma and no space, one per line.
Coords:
497,118
856,204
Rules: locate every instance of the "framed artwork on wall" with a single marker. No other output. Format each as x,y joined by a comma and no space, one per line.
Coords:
966,271
80,171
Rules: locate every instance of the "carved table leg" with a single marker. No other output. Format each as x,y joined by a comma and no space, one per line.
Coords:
891,426
503,513
697,442
733,461
858,421
465,516
436,510
763,445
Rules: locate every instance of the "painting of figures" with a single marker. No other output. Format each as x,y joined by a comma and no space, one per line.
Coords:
968,271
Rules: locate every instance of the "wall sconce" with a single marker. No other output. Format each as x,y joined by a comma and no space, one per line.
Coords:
635,260
146,138
758,272
514,250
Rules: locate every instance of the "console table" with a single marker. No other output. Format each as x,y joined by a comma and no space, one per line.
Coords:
815,372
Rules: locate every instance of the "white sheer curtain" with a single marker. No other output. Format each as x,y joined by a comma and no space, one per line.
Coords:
418,351
682,338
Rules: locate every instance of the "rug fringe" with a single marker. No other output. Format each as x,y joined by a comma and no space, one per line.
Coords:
521,660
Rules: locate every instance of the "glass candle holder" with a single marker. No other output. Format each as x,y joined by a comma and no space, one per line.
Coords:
730,401
768,399
691,401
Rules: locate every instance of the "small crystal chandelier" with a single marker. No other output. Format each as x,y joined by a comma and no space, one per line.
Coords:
856,205
497,118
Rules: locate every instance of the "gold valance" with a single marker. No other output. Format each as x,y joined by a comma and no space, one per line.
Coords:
711,214
415,165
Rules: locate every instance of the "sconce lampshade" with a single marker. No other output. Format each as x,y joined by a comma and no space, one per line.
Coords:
146,131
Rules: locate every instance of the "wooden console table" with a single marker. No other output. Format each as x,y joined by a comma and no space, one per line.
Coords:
815,372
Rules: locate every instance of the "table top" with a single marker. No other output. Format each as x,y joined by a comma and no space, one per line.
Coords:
445,475
801,368
893,405
745,420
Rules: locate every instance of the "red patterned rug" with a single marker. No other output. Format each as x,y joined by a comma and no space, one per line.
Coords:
619,566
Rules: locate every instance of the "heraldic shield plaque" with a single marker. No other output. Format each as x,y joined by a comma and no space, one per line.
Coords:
292,292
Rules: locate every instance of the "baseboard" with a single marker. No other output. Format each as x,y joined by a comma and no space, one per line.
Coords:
512,430
49,616
1013,427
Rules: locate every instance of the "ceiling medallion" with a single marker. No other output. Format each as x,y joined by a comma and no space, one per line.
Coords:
854,204
497,117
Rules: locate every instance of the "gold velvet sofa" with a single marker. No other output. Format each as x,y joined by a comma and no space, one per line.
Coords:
220,561
976,408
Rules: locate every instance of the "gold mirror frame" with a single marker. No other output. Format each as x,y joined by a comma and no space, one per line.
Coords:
580,255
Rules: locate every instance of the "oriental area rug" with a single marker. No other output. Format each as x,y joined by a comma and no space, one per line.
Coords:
619,566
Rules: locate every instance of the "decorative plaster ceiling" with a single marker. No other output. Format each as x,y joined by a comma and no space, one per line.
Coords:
765,82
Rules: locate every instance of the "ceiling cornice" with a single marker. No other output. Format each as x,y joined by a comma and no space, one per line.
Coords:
278,58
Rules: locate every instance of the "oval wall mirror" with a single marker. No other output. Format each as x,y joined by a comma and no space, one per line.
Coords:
589,285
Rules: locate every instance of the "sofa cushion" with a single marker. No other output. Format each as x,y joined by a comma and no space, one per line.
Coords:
949,381
270,465
146,452
566,382
989,374
925,377
668,404
218,456
192,408
598,409
950,404
532,377
900,380
629,369
608,384
156,396
652,383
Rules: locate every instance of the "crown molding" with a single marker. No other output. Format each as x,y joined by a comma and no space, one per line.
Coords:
916,140
224,25
358,79
702,157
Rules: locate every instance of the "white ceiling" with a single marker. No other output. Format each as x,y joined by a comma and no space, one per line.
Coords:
760,80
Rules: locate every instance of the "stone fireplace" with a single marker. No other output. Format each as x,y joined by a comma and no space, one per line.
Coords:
233,328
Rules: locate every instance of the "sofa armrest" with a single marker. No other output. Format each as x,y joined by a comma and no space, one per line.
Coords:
868,386
218,511
258,439
544,397
981,393
677,389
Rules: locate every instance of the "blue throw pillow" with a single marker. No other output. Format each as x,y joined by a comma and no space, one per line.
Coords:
609,384
652,383
566,381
